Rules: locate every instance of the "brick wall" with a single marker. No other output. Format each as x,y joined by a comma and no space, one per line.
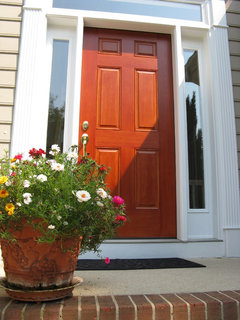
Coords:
10,28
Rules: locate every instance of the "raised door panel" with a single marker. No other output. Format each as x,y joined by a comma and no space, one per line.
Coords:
146,98
147,179
108,98
111,159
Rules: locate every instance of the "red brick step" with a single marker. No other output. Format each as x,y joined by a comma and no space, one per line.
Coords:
221,305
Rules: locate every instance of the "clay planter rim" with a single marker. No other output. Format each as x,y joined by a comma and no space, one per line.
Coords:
32,232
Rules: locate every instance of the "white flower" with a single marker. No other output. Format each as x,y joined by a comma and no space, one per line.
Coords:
42,177
26,184
83,195
51,227
51,161
55,149
27,198
59,218
18,204
57,166
102,193
27,195
8,183
65,223
100,204
72,155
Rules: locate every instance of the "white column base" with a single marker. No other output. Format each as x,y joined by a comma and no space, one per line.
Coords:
232,242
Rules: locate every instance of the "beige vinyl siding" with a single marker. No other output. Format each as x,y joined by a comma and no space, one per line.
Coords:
10,28
233,18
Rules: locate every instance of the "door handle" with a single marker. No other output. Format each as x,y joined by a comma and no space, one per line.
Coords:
84,140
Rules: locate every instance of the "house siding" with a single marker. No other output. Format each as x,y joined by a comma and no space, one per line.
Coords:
233,19
10,28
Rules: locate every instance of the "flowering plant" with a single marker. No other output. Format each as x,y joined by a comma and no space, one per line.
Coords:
64,193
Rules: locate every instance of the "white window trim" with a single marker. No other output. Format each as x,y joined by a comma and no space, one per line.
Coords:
71,113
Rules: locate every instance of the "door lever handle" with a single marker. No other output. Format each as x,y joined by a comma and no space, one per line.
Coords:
84,140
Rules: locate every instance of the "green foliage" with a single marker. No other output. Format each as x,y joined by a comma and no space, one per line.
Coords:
66,195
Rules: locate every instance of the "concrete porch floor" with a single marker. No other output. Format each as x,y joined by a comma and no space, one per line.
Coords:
219,274
192,293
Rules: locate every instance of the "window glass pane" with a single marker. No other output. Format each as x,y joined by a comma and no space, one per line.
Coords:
194,131
57,96
156,8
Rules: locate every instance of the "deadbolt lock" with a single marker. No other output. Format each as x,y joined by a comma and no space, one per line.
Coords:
85,125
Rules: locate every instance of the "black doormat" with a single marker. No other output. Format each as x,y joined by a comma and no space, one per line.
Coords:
133,264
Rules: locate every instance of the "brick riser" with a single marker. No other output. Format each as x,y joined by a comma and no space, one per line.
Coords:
223,305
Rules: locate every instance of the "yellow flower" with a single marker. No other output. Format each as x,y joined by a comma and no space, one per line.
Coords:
3,179
10,212
13,160
13,166
3,193
9,206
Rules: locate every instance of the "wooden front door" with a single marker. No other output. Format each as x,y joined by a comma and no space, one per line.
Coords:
127,98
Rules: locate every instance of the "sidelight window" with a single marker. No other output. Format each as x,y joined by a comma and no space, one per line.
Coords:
57,98
194,131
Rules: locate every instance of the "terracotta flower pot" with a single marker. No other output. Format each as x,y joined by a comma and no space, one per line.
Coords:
29,264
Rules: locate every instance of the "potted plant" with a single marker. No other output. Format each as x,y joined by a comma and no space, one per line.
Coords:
49,206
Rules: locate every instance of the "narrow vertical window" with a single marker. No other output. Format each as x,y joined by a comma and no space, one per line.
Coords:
57,98
194,131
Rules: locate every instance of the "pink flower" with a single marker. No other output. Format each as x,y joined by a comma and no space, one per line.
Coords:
118,200
120,218
107,260
13,174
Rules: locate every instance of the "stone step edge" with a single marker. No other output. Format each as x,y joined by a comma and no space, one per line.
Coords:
215,305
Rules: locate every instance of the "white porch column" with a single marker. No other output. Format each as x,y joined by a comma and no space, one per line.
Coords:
180,138
29,110
225,132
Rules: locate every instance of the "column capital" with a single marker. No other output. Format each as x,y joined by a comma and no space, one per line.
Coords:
218,13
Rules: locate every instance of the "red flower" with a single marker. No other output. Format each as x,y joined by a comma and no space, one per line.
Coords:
41,152
34,153
103,169
120,218
107,260
18,157
118,200
13,174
